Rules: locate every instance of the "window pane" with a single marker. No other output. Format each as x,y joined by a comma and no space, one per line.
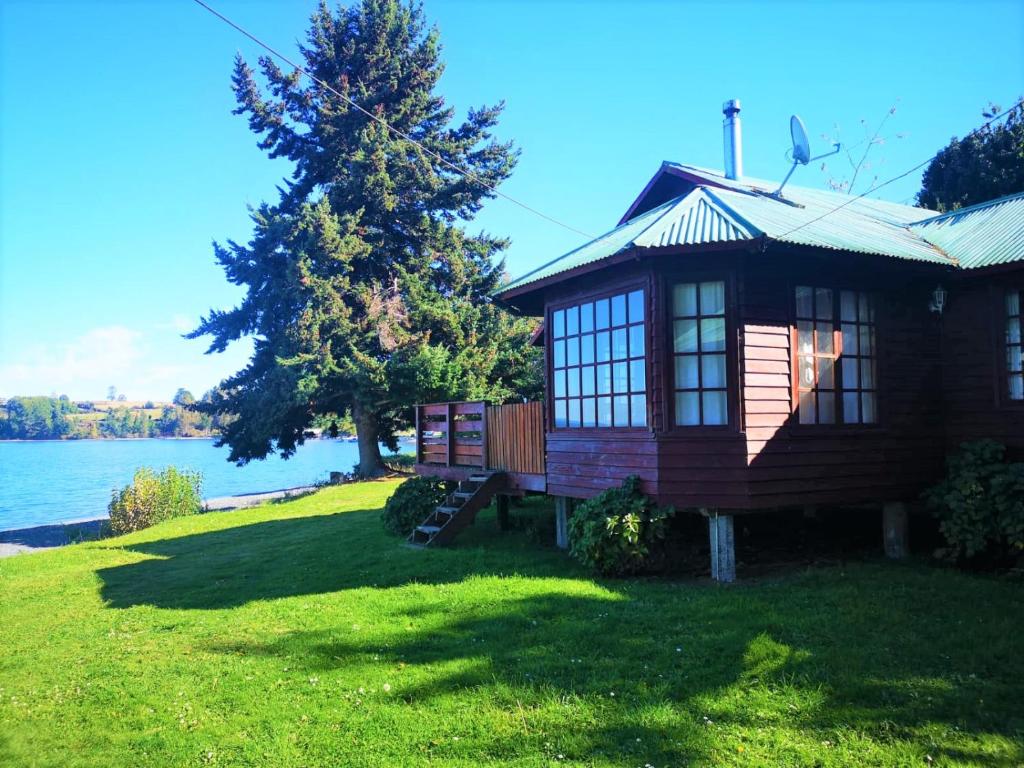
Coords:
572,321
823,303
826,373
620,405
604,411
604,346
561,414
712,335
589,412
620,377
849,339
619,344
807,403
604,379
572,350
636,341
1013,330
1017,387
806,371
619,309
713,371
559,322
848,306
867,373
587,348
601,314
824,337
573,378
712,298
587,380
687,408
637,382
686,372
685,336
850,410
805,337
867,404
804,301
1013,359
636,307
867,311
574,413
867,341
850,368
684,300
715,411
560,383
1013,303
826,408
638,411
586,318
559,360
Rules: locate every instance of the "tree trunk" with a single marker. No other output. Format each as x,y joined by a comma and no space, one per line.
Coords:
370,463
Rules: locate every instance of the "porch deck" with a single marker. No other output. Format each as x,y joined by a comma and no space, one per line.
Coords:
457,440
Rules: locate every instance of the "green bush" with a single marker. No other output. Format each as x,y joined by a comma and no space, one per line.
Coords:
619,532
980,503
153,497
411,504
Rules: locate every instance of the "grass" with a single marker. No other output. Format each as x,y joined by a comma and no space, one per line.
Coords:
299,634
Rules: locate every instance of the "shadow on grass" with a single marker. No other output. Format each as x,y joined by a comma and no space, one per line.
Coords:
880,655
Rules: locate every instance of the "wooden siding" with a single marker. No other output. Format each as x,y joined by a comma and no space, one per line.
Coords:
972,368
515,438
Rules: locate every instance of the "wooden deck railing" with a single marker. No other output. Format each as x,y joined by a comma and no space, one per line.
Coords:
476,435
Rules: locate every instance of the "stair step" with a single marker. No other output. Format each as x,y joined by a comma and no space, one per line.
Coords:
464,494
479,478
447,510
428,529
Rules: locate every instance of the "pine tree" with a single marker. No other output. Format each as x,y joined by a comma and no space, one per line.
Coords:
364,292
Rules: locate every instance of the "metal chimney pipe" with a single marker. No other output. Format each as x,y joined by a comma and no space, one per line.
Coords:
732,135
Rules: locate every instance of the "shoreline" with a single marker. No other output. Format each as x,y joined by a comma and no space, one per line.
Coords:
37,538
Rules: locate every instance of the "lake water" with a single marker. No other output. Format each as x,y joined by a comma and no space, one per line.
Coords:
45,482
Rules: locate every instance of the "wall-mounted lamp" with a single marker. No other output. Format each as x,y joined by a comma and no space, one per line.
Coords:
938,301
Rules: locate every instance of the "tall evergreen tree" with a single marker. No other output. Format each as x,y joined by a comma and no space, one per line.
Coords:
364,292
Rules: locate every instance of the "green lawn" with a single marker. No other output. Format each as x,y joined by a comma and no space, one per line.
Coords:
299,634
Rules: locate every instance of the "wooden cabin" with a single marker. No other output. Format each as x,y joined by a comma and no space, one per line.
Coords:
740,351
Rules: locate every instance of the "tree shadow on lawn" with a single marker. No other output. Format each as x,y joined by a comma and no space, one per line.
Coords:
884,652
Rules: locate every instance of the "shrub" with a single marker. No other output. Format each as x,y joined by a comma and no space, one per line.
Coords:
980,503
411,504
619,532
153,497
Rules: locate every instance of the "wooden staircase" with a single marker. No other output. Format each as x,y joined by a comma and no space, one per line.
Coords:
459,509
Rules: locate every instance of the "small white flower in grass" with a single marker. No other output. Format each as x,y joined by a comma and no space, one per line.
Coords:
612,694
362,690
386,687
679,650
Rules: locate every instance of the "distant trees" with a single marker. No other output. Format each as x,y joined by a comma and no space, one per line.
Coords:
183,397
36,418
111,392
985,164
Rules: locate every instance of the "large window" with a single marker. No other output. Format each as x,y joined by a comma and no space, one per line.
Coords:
599,376
836,371
1014,369
698,331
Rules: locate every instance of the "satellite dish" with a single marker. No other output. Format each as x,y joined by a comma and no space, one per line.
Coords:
801,146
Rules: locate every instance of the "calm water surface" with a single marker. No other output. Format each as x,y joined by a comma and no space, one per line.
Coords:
58,481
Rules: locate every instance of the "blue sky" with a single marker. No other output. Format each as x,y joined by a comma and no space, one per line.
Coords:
120,160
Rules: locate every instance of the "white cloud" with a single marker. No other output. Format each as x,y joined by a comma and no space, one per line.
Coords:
142,366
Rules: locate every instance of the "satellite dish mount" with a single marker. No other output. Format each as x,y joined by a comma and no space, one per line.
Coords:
801,150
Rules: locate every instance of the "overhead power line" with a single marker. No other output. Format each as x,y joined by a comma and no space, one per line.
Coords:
877,187
461,171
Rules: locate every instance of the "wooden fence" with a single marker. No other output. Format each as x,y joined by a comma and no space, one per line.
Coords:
475,435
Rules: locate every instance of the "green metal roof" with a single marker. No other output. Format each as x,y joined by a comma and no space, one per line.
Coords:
718,210
980,236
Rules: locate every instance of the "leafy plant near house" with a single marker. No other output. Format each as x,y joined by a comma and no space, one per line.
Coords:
980,503
619,532
411,504
153,497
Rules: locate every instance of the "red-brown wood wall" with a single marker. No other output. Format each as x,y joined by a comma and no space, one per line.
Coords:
938,384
